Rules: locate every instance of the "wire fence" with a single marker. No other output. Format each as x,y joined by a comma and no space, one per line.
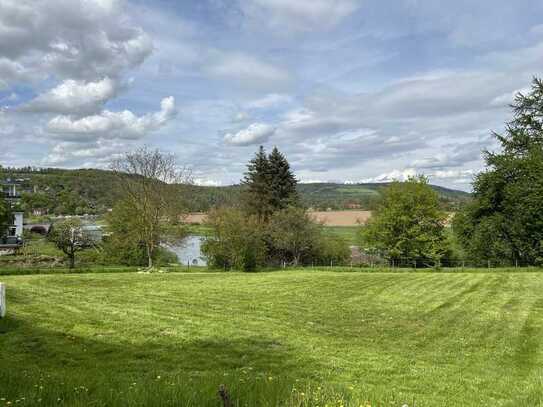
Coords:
410,263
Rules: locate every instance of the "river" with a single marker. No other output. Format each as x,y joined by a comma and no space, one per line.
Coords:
189,251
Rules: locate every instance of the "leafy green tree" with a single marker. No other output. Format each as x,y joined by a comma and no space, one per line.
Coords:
330,250
122,244
504,223
408,223
236,242
70,237
6,216
292,235
282,182
257,182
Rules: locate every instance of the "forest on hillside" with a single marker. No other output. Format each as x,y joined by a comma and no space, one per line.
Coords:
93,191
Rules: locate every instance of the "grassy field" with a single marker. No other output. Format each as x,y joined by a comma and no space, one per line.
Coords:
348,233
293,338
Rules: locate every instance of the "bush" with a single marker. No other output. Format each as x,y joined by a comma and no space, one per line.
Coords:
331,249
236,242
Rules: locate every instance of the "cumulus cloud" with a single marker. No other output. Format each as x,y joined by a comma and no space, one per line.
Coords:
254,134
74,97
99,153
107,124
72,39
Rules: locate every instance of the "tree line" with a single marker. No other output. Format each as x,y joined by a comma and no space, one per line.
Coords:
269,225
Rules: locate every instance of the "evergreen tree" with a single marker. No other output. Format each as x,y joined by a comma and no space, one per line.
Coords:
504,224
257,181
282,182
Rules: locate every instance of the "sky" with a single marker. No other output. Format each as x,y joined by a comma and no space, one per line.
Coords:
349,90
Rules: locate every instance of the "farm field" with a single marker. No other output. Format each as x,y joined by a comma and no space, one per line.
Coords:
350,234
327,218
292,338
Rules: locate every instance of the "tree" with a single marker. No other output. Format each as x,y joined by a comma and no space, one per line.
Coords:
70,237
123,245
408,223
257,182
236,242
504,223
292,235
148,180
270,184
6,216
282,182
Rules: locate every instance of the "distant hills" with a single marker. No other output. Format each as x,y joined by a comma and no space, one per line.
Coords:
82,191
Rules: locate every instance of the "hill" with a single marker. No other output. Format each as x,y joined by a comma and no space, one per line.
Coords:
93,191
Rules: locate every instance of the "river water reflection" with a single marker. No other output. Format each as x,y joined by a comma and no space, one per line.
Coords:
189,251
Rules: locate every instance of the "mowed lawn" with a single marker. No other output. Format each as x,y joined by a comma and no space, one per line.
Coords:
300,338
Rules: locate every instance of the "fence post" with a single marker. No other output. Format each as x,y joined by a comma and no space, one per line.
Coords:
2,300
489,264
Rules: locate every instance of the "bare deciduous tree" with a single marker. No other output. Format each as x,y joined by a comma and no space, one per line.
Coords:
149,180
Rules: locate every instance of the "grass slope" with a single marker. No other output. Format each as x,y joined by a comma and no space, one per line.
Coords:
285,338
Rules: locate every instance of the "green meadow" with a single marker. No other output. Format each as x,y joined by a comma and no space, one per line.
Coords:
286,338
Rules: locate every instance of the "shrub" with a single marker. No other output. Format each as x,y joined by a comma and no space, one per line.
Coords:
236,242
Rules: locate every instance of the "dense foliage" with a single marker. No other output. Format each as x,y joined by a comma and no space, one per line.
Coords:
504,223
270,228
269,184
5,216
237,240
408,224
92,191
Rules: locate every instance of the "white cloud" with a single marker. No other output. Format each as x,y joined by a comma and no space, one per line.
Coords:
99,153
74,97
299,15
241,116
507,98
254,134
244,67
271,100
107,124
74,39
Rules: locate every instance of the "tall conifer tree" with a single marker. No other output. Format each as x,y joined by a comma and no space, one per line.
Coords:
504,223
282,182
257,181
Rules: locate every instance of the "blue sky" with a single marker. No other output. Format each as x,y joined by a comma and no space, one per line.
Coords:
350,90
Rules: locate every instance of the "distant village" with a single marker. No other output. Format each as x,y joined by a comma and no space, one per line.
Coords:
11,235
